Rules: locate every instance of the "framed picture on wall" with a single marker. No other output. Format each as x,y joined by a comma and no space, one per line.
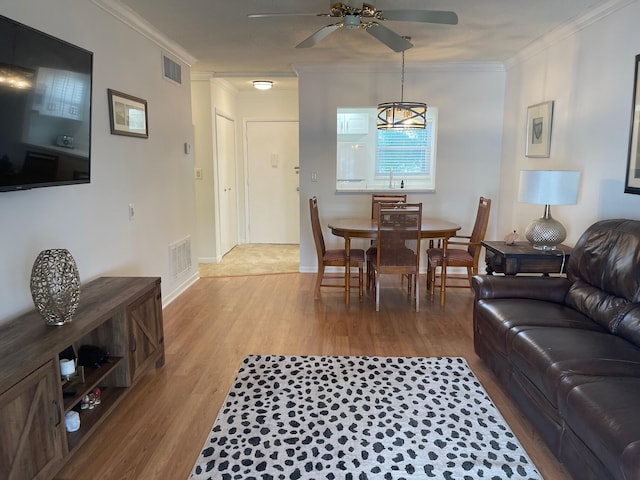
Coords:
127,115
632,184
539,120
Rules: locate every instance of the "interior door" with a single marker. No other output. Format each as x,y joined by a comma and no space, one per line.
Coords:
226,183
273,182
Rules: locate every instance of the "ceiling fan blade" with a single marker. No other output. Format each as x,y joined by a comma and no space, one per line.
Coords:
261,15
319,35
391,39
427,16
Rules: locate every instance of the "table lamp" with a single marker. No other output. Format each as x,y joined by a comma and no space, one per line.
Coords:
548,187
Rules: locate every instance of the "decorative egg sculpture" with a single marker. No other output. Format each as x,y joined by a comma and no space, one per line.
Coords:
55,286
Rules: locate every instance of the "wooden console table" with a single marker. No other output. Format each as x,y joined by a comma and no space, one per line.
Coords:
521,257
121,315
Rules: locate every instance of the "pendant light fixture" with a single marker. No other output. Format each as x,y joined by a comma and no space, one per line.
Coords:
402,115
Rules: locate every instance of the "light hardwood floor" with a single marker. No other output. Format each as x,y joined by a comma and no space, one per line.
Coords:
160,427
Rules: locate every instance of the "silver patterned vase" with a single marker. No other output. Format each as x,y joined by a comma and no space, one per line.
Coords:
55,286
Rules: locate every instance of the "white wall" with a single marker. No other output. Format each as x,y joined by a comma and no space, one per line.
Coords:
470,101
588,72
154,174
208,97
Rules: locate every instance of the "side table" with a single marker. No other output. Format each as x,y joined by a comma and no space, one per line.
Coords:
521,257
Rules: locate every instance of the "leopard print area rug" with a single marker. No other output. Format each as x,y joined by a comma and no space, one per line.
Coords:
361,418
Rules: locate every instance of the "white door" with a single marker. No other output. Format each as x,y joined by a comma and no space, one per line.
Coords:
226,183
272,182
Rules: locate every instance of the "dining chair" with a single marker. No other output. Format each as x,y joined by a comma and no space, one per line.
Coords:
458,257
398,245
333,257
376,199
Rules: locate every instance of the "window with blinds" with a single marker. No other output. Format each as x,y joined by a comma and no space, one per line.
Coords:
404,152
372,159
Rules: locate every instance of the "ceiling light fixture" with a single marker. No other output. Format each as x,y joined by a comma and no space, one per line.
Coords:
262,84
402,115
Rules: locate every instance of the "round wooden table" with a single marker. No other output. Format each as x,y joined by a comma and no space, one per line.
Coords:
360,227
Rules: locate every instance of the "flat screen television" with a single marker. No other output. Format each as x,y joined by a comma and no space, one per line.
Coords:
45,109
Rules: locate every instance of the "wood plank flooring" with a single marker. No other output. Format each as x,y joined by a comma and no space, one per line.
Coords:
160,427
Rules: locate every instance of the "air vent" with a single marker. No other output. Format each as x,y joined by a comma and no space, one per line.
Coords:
180,258
172,70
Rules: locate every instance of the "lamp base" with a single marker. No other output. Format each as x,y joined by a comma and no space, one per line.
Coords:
545,233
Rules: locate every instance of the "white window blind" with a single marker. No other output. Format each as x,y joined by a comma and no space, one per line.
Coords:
404,152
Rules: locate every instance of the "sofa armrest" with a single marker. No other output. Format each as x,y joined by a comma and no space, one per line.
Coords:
551,289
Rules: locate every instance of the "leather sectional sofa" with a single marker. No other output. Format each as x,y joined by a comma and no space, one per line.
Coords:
568,350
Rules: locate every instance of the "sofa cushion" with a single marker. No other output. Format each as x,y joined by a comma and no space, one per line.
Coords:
604,270
628,324
502,318
604,414
546,355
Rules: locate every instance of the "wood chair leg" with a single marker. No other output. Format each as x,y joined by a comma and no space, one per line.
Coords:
432,289
319,281
360,283
470,274
416,287
443,285
377,287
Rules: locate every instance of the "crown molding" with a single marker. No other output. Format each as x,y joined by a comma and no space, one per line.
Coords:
567,30
213,80
222,83
201,76
130,18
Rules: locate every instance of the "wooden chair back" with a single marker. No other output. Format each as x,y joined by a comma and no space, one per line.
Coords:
398,243
384,198
318,238
479,229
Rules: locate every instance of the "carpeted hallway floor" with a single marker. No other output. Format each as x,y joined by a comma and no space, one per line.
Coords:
254,259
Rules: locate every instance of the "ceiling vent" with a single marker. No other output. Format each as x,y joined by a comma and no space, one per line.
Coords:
172,70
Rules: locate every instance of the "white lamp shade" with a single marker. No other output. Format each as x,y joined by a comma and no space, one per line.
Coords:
549,187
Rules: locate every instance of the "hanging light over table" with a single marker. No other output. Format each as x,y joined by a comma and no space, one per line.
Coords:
401,115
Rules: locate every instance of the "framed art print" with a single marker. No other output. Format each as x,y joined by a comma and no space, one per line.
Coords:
539,120
127,115
632,185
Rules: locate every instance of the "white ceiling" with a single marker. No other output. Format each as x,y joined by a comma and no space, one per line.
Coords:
227,43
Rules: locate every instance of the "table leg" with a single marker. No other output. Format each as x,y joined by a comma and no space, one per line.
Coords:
347,270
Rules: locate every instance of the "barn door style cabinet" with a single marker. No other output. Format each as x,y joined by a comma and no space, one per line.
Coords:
120,315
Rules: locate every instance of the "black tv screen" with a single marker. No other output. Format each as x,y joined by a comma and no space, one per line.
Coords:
45,109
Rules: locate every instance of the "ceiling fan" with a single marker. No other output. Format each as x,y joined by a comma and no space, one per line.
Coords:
366,17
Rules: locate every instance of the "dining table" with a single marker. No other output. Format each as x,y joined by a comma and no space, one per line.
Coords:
361,227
